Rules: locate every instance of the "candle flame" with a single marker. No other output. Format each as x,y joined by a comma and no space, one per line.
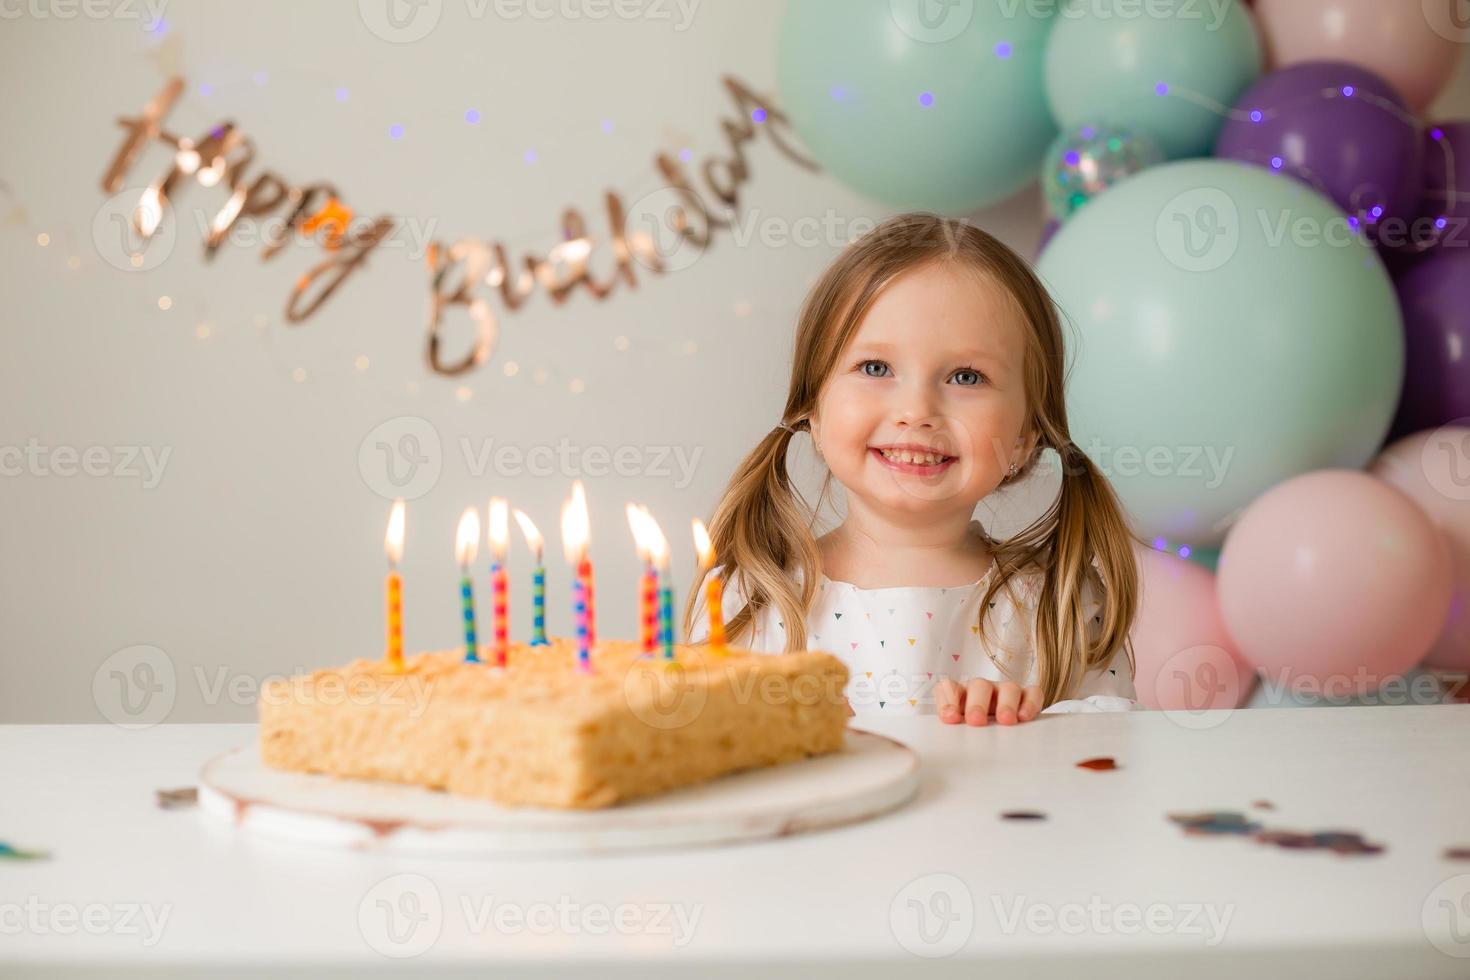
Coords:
574,525
393,542
702,545
467,539
658,545
533,536
499,527
637,524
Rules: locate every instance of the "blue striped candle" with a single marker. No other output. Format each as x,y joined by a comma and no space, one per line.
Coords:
467,598
538,607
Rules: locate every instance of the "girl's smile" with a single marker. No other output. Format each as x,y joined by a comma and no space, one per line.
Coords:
912,458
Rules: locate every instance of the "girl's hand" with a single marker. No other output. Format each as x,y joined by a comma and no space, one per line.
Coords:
975,702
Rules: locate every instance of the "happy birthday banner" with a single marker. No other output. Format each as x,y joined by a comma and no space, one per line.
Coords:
458,272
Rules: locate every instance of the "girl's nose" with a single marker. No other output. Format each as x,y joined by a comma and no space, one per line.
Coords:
916,407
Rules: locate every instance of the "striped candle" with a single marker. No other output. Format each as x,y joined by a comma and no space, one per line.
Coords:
574,535
499,533
467,601
538,607
538,579
579,613
666,617
649,604
466,546
584,571
501,612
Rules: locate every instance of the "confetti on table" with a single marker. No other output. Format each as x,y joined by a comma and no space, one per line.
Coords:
1099,764
178,799
1263,805
1233,822
1337,841
1023,815
1215,822
11,853
1457,853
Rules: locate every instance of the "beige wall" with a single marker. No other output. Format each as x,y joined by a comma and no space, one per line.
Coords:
258,551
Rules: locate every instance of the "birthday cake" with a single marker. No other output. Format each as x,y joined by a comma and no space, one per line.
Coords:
546,731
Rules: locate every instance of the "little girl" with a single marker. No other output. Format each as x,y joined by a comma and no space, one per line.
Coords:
928,370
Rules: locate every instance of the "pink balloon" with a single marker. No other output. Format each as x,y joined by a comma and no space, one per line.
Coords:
1433,468
1186,660
1411,44
1334,576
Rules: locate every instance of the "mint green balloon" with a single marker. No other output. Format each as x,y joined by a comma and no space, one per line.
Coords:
1167,68
1231,331
937,106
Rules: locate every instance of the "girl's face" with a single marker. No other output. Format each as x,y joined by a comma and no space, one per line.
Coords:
926,409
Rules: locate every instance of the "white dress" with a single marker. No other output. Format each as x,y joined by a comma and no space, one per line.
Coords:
898,643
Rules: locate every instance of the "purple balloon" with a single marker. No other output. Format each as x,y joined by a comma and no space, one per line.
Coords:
1435,296
1340,128
1444,213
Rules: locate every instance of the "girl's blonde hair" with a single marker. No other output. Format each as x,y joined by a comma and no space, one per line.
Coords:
762,530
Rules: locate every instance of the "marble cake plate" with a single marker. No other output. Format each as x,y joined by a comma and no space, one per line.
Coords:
873,774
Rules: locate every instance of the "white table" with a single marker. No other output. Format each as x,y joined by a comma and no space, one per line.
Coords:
1107,886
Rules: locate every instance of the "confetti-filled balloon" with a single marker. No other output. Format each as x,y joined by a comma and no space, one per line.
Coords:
1084,162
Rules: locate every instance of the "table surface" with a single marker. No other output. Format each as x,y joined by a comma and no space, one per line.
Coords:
1106,885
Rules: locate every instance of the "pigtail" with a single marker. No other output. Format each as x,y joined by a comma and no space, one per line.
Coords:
1083,539
762,531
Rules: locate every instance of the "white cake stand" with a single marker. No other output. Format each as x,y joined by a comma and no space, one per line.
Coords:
871,775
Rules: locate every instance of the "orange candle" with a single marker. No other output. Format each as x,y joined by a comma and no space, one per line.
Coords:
393,545
714,588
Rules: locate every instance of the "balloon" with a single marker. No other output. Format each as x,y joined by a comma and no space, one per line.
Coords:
1082,164
1444,211
1336,577
1412,44
1048,231
1435,296
1208,558
1433,469
1185,660
1414,686
1341,129
944,115
1230,332
1156,71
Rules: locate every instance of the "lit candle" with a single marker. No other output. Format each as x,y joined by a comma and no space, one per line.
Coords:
393,545
658,549
584,569
538,580
648,591
466,546
714,587
500,601
574,534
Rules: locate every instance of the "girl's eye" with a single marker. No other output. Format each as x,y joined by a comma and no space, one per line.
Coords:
874,369
966,376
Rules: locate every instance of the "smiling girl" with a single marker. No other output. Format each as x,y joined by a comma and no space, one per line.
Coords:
929,373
